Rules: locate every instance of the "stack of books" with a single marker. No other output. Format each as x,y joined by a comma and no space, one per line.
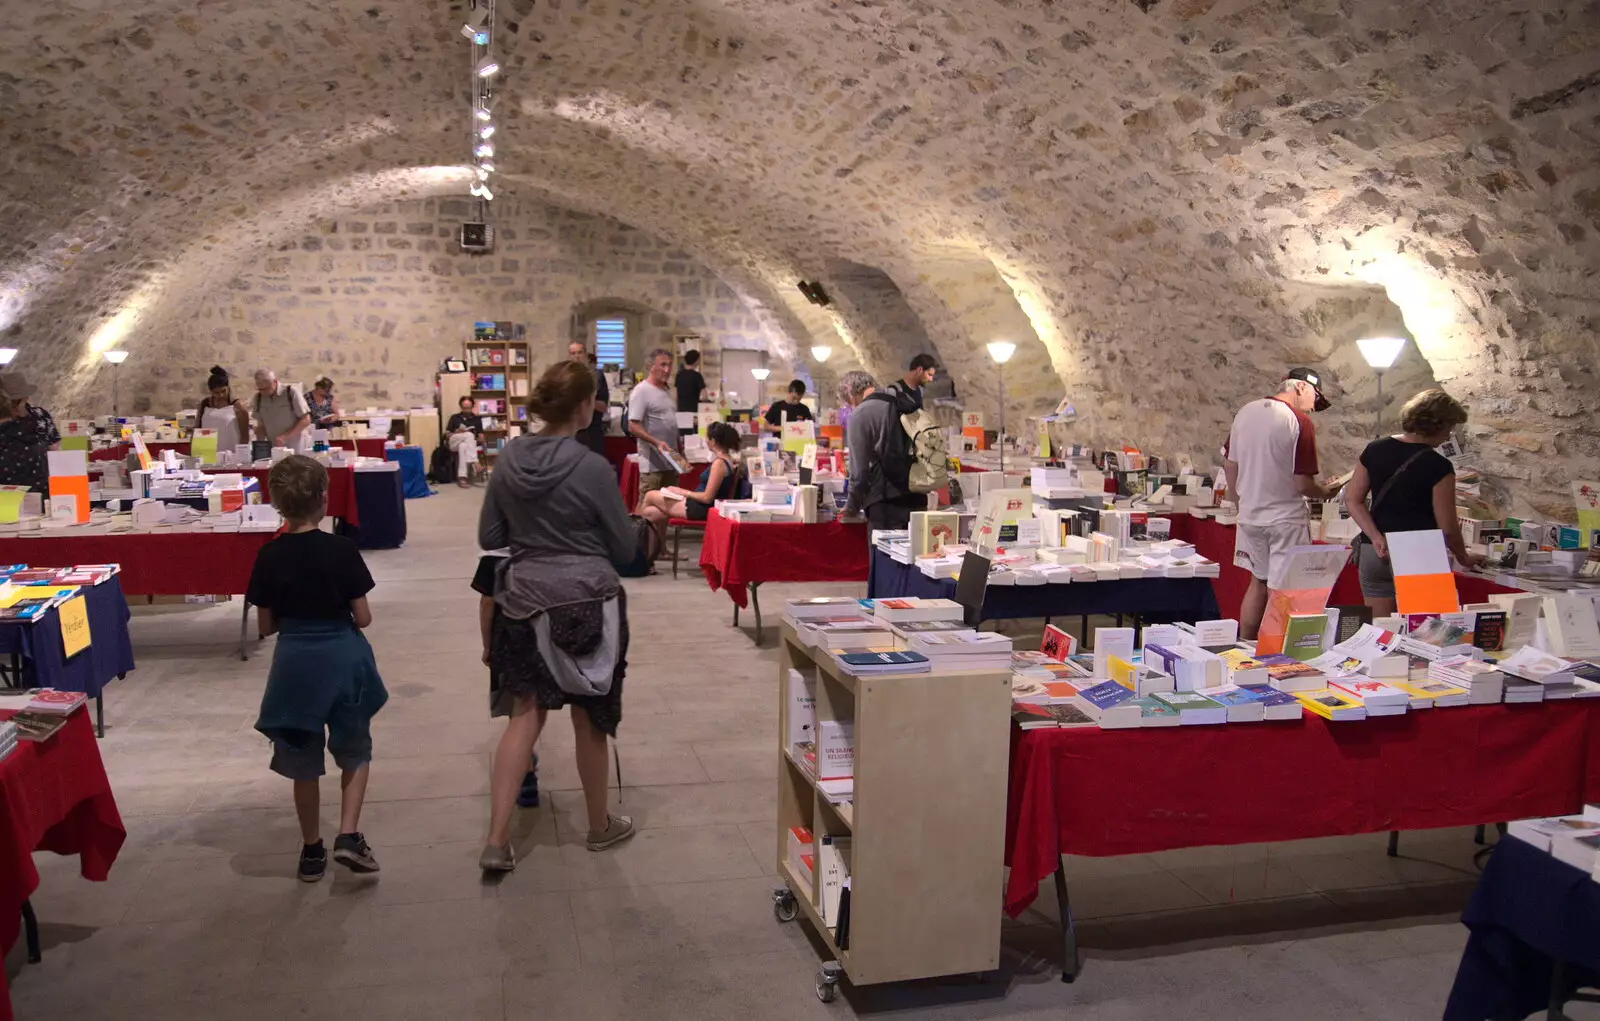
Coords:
1332,705
1485,685
1192,707
1376,697
880,661
1426,694
851,633
909,609
977,650
1574,839
8,739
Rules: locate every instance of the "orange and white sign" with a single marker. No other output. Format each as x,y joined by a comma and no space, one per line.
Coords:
1423,581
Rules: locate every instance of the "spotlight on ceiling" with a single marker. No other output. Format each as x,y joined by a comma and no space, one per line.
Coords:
484,150
487,131
486,166
6,354
482,113
483,175
487,68
481,191
476,27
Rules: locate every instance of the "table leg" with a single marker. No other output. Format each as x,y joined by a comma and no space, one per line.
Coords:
1069,934
735,614
755,606
244,624
1558,979
1394,843
1083,631
99,716
30,930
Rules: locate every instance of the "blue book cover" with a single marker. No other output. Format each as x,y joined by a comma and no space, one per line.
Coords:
866,604
1105,694
882,658
1270,696
1152,707
1244,696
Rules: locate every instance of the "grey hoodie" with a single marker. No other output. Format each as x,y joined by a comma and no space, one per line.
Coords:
555,503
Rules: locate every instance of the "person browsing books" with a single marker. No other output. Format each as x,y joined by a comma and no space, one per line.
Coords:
689,384
886,502
322,404
310,588
559,631
27,433
281,413
462,433
1413,488
721,478
791,410
484,580
1271,461
220,411
920,372
653,421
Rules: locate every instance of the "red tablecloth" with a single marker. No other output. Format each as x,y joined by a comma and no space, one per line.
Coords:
618,448
1107,792
118,451
1215,542
628,481
735,554
366,446
153,563
54,796
341,490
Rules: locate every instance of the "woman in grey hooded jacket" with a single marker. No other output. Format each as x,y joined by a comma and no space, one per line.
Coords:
560,631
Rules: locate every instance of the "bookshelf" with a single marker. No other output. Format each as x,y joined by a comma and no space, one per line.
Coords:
497,363
926,825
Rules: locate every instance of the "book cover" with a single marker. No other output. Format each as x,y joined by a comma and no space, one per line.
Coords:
1331,705
1065,714
1570,621
1057,644
1122,671
1155,713
932,531
1311,575
1490,632
1303,635
882,659
1105,695
835,749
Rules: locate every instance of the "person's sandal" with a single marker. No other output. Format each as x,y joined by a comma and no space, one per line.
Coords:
618,828
497,859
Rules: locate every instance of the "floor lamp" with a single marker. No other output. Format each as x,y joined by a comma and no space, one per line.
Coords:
116,358
761,375
1380,353
820,352
1001,351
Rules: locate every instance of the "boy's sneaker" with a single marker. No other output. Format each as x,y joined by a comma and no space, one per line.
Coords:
352,851
528,796
313,862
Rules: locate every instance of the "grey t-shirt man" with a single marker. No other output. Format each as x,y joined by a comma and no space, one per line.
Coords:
279,412
656,412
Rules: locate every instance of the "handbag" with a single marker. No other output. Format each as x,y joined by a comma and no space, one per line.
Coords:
1383,491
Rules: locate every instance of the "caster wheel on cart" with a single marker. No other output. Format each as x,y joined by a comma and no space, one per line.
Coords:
784,907
827,987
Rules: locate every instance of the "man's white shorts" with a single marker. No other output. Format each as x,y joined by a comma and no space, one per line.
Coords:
1263,550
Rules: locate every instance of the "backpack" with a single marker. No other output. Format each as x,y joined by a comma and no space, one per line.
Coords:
913,458
442,468
647,547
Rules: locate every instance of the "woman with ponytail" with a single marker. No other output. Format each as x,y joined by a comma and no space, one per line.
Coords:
219,411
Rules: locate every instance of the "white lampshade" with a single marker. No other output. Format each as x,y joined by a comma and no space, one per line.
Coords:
761,373
1001,350
1381,352
116,357
821,352
6,354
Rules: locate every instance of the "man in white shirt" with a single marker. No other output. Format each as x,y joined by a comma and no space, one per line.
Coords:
653,421
1271,461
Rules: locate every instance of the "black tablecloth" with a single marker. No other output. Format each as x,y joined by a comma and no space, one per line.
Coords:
380,497
110,651
1154,599
1529,910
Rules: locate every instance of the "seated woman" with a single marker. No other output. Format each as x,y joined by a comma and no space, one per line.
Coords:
718,484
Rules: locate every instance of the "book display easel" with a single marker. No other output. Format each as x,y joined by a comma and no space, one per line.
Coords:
923,832
497,359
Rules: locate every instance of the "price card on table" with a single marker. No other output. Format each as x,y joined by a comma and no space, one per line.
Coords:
74,615
11,498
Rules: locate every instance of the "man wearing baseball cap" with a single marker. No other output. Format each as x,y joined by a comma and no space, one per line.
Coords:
26,433
1271,461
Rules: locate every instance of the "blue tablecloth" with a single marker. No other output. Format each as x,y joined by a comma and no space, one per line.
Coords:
382,510
1155,599
413,473
1529,910
110,651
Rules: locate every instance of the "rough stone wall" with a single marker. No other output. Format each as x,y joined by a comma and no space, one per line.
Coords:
376,301
1166,187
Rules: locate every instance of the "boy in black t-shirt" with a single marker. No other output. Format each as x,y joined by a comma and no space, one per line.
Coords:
310,588
483,583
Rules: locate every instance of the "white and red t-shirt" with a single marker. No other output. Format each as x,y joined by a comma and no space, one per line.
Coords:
1272,442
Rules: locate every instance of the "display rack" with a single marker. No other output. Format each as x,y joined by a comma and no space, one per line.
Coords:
497,361
926,827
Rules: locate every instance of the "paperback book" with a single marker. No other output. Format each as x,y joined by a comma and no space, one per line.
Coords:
1332,705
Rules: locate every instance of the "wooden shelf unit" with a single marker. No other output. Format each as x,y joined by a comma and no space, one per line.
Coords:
927,823
479,347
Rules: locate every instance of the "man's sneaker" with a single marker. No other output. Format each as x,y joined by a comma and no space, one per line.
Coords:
528,796
618,828
351,851
313,862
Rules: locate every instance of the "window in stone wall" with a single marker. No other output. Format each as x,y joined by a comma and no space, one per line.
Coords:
611,341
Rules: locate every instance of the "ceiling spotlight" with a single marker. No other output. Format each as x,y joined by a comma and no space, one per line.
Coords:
481,191
486,166
116,357
484,150
487,131
487,68
483,175
6,354
482,113
476,26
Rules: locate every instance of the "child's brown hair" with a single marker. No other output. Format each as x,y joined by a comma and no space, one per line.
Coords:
298,486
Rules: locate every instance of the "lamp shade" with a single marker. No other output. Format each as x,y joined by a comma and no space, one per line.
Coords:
1381,352
6,354
761,373
1001,350
116,357
821,352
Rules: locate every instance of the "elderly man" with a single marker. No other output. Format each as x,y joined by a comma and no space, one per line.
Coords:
653,421
879,484
281,413
594,435
26,434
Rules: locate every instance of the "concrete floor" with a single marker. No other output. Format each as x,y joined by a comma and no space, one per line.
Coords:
203,918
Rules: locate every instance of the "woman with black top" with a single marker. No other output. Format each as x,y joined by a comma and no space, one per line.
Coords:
462,434
718,484
1413,488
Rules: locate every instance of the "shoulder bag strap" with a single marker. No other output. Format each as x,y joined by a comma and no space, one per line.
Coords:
1389,483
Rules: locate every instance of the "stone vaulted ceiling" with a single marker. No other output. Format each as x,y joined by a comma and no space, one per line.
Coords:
1177,197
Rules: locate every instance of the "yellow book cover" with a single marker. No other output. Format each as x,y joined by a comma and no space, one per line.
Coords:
1121,671
1428,689
1325,701
20,592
